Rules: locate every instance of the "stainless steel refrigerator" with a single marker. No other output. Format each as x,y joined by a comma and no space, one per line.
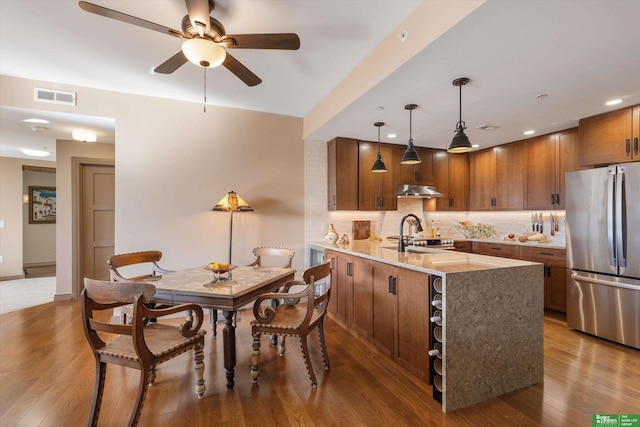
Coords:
603,252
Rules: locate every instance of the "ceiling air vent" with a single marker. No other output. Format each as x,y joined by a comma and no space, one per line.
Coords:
487,127
54,96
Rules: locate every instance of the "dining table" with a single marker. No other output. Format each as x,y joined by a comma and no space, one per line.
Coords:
227,292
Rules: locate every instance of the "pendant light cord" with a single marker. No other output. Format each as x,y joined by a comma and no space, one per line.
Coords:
410,127
205,89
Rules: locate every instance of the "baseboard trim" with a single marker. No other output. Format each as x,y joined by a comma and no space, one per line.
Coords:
4,278
40,264
62,297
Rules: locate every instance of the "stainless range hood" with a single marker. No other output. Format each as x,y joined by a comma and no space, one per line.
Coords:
418,191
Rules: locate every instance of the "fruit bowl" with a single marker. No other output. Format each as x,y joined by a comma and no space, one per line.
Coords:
217,272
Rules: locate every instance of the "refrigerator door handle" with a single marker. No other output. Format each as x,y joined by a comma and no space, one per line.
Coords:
579,278
613,262
620,223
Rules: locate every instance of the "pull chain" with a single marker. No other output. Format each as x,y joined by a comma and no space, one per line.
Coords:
205,89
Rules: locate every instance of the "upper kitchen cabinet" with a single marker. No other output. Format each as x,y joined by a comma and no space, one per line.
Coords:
610,137
377,191
342,155
546,159
496,178
452,179
422,173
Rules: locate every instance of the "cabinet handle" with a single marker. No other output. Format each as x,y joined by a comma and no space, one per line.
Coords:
635,145
547,271
451,203
628,146
553,199
546,253
390,284
558,199
495,248
417,176
395,285
334,200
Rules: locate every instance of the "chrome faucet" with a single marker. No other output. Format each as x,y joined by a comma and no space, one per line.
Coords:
401,241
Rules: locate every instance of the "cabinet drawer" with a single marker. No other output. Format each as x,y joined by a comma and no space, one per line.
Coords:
555,256
496,249
462,246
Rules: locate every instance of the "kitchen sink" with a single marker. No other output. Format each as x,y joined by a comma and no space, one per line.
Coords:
415,250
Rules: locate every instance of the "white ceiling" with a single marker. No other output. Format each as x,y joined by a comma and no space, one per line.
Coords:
579,53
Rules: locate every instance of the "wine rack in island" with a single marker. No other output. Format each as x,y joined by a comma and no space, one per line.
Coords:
435,338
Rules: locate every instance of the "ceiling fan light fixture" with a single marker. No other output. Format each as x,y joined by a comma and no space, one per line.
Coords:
410,156
203,52
460,142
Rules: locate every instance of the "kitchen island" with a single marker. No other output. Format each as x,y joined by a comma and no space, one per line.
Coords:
470,325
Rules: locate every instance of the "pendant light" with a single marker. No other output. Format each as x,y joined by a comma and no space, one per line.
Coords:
460,142
410,156
379,165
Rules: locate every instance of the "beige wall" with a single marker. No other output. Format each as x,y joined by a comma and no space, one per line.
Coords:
173,163
12,213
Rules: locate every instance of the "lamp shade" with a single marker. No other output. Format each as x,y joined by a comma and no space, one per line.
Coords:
379,165
410,156
232,202
460,142
203,52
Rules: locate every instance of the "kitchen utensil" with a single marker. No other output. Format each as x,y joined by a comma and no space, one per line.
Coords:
533,223
541,223
552,225
556,223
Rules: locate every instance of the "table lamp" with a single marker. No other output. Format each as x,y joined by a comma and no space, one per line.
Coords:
231,202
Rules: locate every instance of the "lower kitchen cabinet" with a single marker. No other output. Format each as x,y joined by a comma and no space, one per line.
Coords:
496,249
462,246
386,305
350,299
401,316
555,275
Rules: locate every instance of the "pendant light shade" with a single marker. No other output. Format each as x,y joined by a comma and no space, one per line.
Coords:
410,156
379,165
460,142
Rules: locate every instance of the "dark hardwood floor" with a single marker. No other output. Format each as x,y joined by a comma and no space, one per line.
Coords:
47,376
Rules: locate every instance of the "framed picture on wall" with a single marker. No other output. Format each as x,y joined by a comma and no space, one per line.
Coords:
42,205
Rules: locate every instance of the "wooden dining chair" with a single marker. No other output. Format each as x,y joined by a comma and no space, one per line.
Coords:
266,256
135,260
293,317
140,345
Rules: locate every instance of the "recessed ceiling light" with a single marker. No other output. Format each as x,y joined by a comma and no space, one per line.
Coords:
529,132
38,128
83,135
35,153
391,135
41,121
475,145
614,102
487,127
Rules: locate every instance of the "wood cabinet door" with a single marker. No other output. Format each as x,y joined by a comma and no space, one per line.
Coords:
555,288
384,308
482,176
568,161
344,286
377,191
422,173
413,322
636,132
509,179
332,307
441,162
362,297
606,138
342,174
540,172
459,182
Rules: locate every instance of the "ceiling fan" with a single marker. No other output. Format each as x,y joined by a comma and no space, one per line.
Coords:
205,39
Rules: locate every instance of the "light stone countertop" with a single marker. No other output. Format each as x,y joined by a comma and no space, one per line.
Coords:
432,261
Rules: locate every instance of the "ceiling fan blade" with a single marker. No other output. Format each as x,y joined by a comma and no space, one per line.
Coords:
287,41
108,13
242,72
199,11
171,64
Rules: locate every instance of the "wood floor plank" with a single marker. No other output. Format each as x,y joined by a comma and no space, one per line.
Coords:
47,374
